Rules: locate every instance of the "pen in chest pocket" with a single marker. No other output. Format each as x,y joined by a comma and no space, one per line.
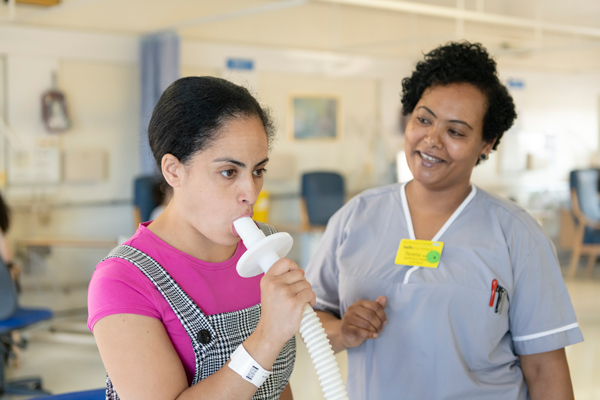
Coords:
500,302
502,293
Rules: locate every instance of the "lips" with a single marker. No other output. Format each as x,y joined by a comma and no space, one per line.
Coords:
429,158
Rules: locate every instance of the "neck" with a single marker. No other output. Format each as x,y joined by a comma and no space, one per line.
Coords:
177,232
437,201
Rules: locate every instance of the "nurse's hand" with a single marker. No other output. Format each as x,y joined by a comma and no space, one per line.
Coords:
363,320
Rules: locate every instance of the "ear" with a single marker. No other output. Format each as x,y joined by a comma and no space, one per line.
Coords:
487,147
171,169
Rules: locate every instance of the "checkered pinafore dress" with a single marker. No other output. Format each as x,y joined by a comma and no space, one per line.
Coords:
214,337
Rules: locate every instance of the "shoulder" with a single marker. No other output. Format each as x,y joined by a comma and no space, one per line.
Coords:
116,270
509,215
373,199
367,207
380,193
118,286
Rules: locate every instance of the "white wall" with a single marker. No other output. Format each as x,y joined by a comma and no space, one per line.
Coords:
557,125
99,74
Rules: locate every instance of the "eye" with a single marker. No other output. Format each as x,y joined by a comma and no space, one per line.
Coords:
260,172
455,133
422,120
228,173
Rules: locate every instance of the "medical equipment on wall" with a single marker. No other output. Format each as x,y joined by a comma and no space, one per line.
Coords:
262,252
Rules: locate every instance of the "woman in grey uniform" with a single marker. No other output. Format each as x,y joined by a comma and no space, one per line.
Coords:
438,289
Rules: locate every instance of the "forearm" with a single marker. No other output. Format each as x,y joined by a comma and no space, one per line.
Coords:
547,376
224,384
333,329
227,384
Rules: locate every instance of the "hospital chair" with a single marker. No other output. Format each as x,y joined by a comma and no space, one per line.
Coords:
585,206
322,194
12,318
95,394
144,200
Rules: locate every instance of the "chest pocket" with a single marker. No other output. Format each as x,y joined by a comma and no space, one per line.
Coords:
214,337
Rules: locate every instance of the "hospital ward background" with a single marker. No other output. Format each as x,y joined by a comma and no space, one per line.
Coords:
79,79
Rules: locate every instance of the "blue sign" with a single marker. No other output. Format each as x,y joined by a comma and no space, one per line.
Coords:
240,63
515,83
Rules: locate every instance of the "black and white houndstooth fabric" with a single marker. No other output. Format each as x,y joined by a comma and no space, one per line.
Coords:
214,337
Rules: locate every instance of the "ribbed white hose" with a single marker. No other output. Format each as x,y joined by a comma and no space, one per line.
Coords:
322,355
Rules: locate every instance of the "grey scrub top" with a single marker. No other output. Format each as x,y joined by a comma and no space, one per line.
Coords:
443,340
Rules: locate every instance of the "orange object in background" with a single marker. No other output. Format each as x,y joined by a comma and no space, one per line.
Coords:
261,208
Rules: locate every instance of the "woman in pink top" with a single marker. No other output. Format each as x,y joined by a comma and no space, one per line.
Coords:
171,316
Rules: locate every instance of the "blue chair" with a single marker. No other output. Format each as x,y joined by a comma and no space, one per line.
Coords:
144,198
96,394
322,194
585,206
14,318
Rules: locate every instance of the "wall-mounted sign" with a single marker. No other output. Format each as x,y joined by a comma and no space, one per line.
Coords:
514,83
240,63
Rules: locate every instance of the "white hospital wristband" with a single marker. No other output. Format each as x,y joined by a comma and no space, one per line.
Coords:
247,367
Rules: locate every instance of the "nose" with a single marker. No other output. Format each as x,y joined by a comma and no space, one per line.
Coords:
248,190
433,137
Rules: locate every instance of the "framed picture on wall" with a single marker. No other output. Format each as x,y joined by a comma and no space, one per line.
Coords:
314,117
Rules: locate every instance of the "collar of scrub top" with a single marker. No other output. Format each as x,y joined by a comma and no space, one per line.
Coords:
437,236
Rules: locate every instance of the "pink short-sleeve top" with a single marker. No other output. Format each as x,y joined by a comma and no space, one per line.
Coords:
118,287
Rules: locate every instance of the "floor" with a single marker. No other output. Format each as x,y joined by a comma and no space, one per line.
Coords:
64,354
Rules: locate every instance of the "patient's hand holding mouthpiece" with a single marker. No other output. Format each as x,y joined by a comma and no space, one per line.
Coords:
284,293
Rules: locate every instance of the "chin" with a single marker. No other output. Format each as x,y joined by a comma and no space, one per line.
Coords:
228,239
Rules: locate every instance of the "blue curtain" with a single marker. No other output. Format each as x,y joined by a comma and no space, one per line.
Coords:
159,59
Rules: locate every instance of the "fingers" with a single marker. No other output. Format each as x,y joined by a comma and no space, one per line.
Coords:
363,320
282,266
286,276
367,319
358,335
372,311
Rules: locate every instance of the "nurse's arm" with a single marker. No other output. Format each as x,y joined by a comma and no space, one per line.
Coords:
333,330
547,375
143,364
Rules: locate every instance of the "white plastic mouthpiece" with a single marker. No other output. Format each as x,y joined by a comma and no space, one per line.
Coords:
248,231
262,251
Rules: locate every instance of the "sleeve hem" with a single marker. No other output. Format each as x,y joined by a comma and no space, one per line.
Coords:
327,304
545,333
121,310
548,343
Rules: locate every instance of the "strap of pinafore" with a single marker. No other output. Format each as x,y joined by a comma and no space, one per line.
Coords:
189,314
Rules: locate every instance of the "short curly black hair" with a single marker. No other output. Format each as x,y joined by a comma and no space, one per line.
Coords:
463,62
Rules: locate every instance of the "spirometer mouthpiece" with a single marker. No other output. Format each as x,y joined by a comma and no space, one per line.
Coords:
263,251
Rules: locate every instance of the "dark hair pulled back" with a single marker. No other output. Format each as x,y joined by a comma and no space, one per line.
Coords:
191,112
463,62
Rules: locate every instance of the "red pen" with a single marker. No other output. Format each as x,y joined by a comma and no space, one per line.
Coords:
494,287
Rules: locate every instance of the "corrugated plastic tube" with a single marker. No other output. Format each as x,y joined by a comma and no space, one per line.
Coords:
262,252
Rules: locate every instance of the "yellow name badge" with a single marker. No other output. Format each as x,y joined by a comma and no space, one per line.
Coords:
422,253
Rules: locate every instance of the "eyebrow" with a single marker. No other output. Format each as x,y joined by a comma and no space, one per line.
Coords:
238,163
456,121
